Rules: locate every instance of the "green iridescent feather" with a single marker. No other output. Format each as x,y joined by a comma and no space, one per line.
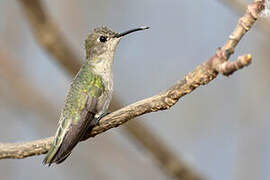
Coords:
85,84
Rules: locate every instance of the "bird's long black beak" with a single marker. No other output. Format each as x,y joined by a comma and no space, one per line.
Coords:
130,31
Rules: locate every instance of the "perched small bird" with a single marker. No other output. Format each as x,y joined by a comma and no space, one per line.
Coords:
90,93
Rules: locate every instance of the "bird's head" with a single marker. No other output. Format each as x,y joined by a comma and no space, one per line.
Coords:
103,41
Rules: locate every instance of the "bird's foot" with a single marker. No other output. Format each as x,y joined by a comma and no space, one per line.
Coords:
96,120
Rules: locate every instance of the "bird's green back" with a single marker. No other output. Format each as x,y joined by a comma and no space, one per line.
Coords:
85,83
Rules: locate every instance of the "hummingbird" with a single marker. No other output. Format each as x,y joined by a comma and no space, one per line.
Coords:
89,95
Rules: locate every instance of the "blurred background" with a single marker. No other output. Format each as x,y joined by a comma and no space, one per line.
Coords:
220,130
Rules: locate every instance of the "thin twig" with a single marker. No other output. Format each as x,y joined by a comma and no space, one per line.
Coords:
239,6
229,67
202,75
52,40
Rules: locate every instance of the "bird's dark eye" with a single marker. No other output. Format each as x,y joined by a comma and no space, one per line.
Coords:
102,39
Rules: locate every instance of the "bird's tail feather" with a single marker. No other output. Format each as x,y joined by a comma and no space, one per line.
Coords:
49,159
58,154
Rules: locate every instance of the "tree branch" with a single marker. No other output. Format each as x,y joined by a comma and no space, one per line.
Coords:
239,6
22,150
202,75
